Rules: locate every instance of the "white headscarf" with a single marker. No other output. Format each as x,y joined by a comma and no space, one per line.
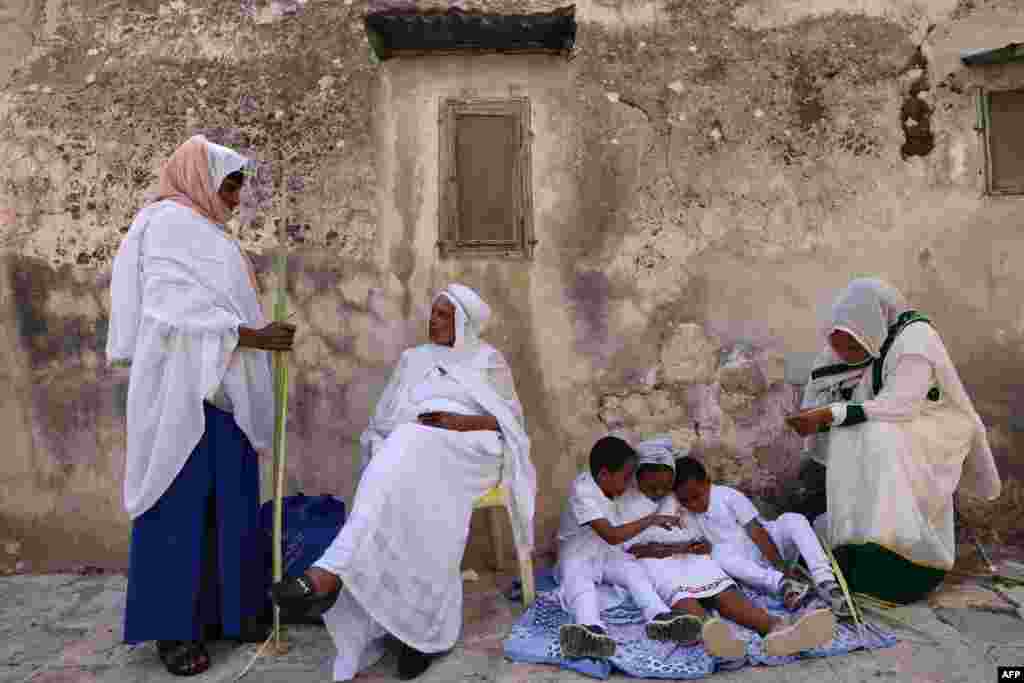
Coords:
657,451
223,161
471,316
480,367
866,309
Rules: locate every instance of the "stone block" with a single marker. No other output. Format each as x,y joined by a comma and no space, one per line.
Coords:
643,413
742,376
690,356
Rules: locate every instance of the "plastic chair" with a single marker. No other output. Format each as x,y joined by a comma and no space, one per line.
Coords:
496,498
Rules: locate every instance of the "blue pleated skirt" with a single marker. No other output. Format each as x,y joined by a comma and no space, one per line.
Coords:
197,560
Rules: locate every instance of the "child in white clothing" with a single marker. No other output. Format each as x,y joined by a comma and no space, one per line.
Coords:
686,577
752,551
589,553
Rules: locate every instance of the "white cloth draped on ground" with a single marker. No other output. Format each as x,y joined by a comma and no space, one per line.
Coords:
180,289
891,479
400,551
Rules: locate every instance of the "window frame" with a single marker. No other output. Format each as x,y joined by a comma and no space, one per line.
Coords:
448,227
985,114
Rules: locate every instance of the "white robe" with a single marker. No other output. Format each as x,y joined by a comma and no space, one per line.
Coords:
911,455
180,290
399,554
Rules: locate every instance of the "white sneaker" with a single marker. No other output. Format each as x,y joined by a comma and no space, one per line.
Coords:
801,632
832,593
721,641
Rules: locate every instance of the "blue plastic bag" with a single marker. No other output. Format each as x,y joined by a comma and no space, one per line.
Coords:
310,524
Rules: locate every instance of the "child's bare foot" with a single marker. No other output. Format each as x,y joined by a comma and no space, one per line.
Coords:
799,633
721,641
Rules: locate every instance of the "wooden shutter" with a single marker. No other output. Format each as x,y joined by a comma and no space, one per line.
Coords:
485,205
1006,142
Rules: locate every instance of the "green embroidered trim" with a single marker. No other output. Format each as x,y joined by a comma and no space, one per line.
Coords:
854,415
908,318
837,369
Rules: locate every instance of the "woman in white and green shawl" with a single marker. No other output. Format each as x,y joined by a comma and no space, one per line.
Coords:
898,435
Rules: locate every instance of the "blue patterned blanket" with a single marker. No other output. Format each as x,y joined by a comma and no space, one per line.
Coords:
534,639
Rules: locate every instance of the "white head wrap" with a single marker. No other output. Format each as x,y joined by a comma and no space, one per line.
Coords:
657,451
866,309
471,316
222,162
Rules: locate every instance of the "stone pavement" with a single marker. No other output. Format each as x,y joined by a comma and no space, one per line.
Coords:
66,628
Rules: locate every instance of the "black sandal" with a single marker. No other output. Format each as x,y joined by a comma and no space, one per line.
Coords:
412,663
183,658
297,594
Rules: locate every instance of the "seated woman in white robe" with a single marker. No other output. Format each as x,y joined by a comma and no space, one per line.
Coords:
448,427
685,576
898,435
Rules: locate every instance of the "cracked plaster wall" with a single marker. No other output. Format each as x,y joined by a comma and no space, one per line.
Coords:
706,176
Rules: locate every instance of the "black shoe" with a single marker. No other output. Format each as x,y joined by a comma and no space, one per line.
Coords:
298,594
677,627
580,641
412,663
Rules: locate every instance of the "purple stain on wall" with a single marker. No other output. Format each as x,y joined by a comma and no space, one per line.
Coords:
247,104
258,192
248,8
589,296
325,422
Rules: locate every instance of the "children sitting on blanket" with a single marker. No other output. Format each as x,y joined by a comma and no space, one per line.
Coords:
688,579
590,539
752,551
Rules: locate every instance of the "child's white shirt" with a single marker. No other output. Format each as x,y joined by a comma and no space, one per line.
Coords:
634,505
728,514
586,503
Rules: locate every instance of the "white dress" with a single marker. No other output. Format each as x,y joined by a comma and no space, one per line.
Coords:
681,576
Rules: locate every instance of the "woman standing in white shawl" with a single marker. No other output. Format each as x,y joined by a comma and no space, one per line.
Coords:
898,435
447,428
183,307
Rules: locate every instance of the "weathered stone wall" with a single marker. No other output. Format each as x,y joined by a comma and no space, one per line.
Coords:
706,176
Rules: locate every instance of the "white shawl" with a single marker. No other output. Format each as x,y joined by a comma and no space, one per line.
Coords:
180,289
485,374
866,309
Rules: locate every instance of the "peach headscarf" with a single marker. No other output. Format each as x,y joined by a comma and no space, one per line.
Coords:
193,175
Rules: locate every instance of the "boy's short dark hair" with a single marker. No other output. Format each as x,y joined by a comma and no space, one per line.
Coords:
610,453
688,468
651,467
